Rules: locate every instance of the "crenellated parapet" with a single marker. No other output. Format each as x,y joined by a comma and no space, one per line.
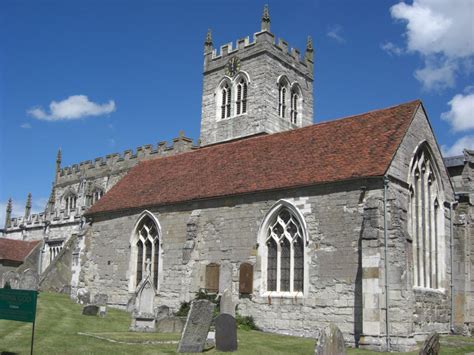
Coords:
263,42
120,162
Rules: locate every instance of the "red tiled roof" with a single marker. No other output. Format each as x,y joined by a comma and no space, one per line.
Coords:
15,250
353,147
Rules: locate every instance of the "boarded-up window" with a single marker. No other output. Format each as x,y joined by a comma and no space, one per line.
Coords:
212,278
246,279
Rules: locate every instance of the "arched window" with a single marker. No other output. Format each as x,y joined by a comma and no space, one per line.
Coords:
70,201
145,251
96,195
283,85
241,102
425,222
226,96
283,234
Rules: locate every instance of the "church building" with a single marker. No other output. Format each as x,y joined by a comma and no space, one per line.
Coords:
354,221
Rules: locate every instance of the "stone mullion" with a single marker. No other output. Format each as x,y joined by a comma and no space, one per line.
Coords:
429,234
292,265
418,229
278,276
436,211
423,226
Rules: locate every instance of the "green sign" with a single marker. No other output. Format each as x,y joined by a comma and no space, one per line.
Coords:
18,305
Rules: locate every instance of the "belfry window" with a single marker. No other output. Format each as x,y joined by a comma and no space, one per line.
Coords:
294,107
241,103
97,195
146,251
226,95
70,201
282,101
284,252
425,221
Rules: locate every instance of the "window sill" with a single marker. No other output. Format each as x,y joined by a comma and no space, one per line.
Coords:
274,294
422,289
232,117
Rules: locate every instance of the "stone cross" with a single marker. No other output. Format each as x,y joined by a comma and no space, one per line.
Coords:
148,266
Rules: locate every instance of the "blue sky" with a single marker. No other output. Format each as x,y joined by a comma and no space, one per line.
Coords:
97,77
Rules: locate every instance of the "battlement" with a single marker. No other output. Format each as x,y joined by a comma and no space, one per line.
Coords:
125,160
35,219
262,41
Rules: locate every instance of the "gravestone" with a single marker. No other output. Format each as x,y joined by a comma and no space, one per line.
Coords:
226,333
83,296
28,280
12,277
143,316
227,304
197,326
162,312
330,342
90,310
225,277
170,324
431,345
102,311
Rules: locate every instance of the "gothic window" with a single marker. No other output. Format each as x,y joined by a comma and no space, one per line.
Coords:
146,251
70,201
241,102
283,85
226,95
96,195
295,104
425,220
284,251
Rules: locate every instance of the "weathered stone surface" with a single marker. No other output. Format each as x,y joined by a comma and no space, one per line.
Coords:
227,305
83,296
101,299
170,324
225,277
162,312
143,316
431,345
29,280
197,326
90,310
12,277
226,333
330,342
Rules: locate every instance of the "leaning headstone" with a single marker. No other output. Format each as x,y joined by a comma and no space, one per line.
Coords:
227,304
28,280
83,296
196,328
226,333
225,277
90,310
431,345
170,324
330,342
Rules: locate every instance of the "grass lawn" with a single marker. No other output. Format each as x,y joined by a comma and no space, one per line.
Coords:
62,329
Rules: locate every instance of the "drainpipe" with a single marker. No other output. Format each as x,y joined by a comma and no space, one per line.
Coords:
385,235
451,243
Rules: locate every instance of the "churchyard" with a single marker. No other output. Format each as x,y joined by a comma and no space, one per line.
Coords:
62,329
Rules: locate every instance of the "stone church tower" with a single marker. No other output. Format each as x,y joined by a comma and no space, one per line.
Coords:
258,87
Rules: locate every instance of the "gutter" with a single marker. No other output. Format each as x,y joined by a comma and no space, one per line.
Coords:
385,235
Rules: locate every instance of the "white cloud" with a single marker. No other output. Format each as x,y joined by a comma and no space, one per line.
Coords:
25,125
466,142
72,108
18,210
335,32
442,33
391,48
461,114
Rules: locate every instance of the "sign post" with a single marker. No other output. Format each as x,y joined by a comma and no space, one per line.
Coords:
19,305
